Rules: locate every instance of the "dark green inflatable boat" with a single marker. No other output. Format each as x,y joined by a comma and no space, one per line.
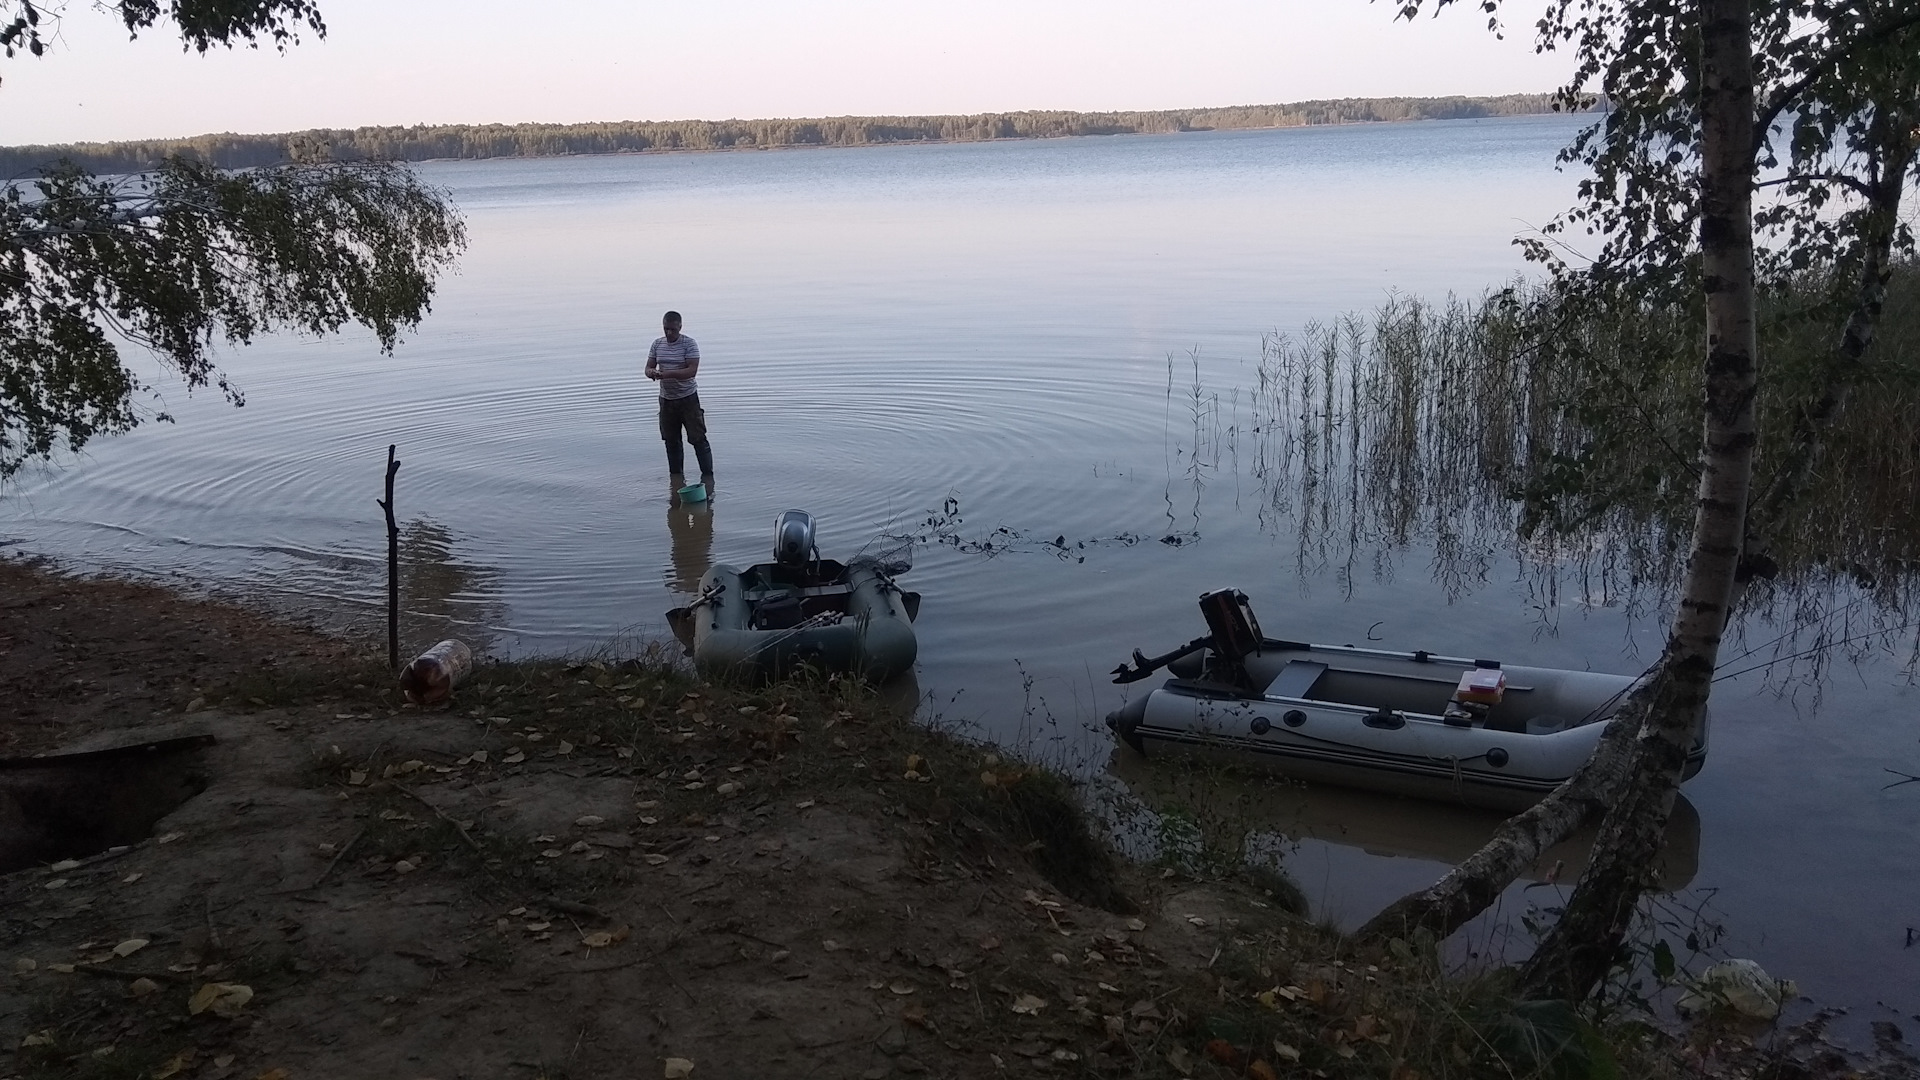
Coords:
801,611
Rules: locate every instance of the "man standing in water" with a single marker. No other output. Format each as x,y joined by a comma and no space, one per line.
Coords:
672,362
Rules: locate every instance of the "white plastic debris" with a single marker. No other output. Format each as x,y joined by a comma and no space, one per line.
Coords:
1738,986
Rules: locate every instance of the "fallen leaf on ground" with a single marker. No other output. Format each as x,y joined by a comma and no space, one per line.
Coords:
224,999
588,821
131,878
679,1068
1283,1050
480,756
143,986
599,939
656,860
1260,1070
356,777
1224,1052
831,945
901,988
1181,1061
65,865
1136,925
1029,1005
57,883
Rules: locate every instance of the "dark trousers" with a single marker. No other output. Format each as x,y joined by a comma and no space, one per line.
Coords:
677,413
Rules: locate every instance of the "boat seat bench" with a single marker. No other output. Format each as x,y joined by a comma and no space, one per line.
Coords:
1296,679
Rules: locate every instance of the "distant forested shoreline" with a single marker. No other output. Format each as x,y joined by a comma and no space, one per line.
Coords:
428,142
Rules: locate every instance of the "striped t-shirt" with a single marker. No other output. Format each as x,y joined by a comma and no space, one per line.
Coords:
672,356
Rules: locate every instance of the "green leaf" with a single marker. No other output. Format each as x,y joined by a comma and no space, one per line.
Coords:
1663,966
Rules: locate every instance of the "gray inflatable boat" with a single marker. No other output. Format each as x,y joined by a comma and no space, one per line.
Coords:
1437,727
801,611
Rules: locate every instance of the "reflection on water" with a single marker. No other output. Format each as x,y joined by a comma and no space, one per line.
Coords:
690,527
441,594
1421,425
1242,811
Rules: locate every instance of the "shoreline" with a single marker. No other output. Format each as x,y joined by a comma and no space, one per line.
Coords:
418,142
583,864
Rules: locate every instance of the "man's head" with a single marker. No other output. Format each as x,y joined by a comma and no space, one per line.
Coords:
670,322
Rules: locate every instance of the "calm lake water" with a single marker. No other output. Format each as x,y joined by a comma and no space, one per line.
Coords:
1016,327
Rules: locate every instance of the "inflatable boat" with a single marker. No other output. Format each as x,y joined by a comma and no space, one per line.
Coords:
1469,731
800,611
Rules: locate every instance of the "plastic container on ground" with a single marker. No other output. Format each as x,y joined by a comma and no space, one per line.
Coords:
432,675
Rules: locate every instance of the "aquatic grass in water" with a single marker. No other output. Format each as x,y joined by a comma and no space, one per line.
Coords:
1563,435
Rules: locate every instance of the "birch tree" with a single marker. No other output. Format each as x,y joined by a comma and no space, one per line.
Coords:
1705,101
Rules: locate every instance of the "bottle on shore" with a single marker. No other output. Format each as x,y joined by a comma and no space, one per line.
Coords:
432,675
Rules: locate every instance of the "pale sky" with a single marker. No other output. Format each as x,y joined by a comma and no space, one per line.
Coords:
477,61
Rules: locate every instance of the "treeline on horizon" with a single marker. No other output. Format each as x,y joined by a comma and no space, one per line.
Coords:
439,141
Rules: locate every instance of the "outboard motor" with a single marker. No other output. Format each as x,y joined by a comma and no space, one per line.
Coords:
1229,616
793,543
1235,634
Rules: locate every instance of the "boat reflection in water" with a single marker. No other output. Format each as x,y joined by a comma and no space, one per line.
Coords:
1260,809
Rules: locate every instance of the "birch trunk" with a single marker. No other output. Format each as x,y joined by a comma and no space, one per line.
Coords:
1583,945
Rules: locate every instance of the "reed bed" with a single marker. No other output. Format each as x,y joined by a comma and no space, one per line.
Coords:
1563,434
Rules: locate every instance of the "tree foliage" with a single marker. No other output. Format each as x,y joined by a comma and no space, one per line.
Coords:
202,23
182,257
188,257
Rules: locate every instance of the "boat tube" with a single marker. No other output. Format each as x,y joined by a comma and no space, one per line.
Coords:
1460,730
800,610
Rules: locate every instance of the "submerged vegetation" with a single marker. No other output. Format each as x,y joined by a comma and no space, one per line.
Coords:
424,142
